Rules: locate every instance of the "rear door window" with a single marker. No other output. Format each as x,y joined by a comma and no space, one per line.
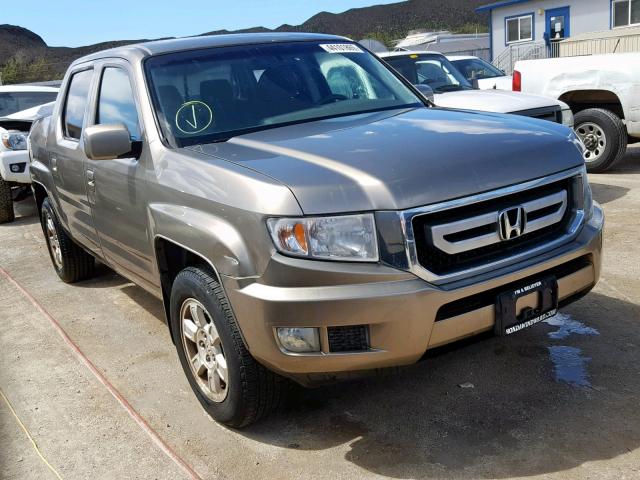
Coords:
76,103
116,103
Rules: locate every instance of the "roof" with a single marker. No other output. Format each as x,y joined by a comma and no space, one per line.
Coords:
158,47
461,57
494,5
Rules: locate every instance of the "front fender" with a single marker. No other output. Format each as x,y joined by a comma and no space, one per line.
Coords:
214,238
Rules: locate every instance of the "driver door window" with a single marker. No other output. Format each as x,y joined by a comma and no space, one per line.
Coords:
116,103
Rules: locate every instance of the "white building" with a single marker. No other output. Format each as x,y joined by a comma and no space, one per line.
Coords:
515,24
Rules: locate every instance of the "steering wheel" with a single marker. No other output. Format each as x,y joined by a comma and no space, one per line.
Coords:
334,97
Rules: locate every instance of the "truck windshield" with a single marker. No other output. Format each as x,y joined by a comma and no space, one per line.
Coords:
430,69
204,96
12,102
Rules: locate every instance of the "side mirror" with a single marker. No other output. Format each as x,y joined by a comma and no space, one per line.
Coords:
426,91
106,142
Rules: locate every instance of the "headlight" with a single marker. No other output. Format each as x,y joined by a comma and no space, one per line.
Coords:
14,141
347,237
567,117
587,195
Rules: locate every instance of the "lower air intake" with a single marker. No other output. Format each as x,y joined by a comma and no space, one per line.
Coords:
348,339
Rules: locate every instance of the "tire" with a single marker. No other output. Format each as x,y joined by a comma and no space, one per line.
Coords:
70,261
6,203
605,137
249,392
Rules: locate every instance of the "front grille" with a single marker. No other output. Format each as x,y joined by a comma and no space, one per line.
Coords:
552,114
348,339
468,237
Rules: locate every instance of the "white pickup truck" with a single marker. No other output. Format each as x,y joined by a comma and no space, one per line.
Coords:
20,105
603,92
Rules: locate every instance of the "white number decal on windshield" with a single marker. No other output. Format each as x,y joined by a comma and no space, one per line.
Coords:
341,48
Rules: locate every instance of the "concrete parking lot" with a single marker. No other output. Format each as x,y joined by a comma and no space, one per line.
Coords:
559,400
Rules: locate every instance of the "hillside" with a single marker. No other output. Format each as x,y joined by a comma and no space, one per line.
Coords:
24,56
394,20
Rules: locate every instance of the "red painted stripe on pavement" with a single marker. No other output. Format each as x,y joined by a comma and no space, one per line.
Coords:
142,423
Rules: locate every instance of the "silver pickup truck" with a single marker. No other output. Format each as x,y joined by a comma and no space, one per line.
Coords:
303,212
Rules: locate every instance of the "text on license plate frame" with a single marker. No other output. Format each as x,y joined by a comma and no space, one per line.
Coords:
507,320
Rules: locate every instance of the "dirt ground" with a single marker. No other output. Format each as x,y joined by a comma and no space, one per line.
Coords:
559,400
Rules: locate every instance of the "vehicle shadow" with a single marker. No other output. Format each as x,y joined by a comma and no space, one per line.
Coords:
26,213
514,419
604,193
147,301
105,277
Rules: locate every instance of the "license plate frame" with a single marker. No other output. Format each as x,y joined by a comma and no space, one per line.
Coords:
507,320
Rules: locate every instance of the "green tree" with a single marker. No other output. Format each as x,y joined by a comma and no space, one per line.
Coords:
38,71
14,71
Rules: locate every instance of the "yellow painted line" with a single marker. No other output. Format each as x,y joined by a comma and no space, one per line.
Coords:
33,442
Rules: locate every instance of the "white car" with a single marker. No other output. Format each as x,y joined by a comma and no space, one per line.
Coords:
602,90
20,105
487,76
433,72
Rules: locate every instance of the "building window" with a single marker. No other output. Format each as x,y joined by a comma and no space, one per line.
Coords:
626,12
520,29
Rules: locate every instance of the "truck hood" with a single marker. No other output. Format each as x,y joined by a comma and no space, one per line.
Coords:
500,101
402,158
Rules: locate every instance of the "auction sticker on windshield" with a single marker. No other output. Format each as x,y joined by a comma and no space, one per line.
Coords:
193,117
341,48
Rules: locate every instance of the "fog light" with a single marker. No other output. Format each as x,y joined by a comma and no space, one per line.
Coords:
15,168
299,340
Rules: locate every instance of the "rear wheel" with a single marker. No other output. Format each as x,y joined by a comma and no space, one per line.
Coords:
604,136
231,386
70,261
6,202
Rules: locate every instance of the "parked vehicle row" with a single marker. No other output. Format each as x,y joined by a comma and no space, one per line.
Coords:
303,212
19,107
600,91
451,89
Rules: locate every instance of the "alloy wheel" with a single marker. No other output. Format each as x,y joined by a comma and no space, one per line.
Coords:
53,240
203,348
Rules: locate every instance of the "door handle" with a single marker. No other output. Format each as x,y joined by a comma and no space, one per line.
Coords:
91,179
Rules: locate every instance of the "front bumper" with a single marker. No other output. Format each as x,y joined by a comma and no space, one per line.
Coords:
14,166
404,314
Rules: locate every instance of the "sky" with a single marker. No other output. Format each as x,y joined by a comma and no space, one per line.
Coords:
75,23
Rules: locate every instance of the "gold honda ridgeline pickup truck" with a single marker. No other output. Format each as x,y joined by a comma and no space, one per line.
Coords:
303,212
